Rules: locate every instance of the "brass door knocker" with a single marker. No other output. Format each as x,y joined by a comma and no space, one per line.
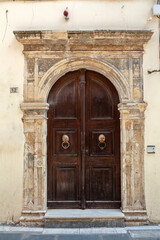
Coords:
65,142
102,143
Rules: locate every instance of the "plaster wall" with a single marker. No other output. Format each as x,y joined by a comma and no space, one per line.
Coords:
84,15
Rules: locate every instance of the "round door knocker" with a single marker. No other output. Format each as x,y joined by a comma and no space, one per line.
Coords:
65,142
102,143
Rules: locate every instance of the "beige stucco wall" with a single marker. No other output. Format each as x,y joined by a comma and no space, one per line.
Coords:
152,133
84,15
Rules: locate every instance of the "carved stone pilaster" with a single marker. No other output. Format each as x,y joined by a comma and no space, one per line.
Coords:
35,129
132,162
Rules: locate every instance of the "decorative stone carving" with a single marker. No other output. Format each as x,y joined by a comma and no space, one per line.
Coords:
83,40
34,119
45,64
132,161
118,56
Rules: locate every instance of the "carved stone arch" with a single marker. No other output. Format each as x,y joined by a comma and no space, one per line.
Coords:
66,65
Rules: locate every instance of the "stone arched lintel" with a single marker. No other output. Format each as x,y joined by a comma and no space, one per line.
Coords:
66,65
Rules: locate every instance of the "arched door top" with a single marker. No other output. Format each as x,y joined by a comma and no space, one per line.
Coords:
102,67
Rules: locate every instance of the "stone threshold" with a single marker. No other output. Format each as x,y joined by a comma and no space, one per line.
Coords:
87,214
77,218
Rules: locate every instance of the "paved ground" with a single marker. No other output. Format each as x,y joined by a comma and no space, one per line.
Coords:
135,233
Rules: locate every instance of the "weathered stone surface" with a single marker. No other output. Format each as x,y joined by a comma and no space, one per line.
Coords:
82,40
45,64
34,161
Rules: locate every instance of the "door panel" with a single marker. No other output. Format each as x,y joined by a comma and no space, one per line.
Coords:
83,142
64,157
101,184
102,159
65,183
66,101
100,100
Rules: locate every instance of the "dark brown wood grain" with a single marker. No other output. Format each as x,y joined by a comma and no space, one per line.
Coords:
83,105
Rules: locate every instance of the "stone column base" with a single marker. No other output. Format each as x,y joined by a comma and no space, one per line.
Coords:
136,217
32,218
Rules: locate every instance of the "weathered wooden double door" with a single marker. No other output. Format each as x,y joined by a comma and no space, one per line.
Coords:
83,142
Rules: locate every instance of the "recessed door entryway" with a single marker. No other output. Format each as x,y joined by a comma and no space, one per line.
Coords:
83,142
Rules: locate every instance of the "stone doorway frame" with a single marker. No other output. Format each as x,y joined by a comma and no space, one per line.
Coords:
118,55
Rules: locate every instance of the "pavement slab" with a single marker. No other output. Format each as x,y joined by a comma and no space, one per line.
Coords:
127,233
26,236
4,228
116,237
41,237
34,236
11,236
145,234
79,237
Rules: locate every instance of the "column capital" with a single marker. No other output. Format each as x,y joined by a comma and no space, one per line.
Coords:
34,106
132,109
34,110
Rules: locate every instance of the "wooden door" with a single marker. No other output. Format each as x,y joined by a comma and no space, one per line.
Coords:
83,142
